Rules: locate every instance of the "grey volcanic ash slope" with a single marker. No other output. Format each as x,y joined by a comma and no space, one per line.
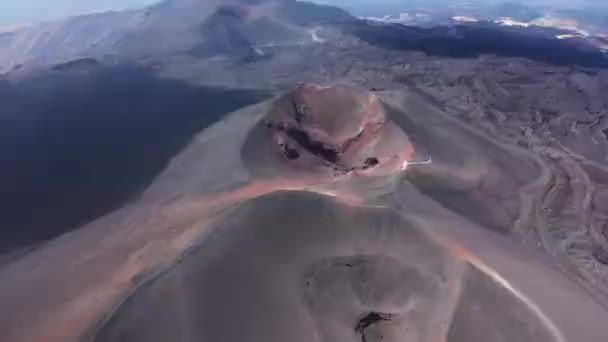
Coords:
214,249
301,265
331,273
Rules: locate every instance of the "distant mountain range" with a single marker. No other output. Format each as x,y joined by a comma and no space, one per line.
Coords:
203,26
208,28
553,27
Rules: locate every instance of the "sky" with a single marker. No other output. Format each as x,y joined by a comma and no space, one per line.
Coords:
20,12
16,12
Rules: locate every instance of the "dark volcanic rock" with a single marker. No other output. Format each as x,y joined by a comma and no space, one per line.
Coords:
473,40
224,32
79,64
600,255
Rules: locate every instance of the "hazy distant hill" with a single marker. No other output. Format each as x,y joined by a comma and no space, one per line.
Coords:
169,26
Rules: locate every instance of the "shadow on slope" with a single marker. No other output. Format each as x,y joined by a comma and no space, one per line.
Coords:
469,41
75,145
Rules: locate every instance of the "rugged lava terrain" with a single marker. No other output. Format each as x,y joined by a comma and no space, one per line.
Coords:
254,179
262,245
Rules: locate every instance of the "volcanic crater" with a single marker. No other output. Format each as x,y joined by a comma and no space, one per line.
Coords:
329,132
